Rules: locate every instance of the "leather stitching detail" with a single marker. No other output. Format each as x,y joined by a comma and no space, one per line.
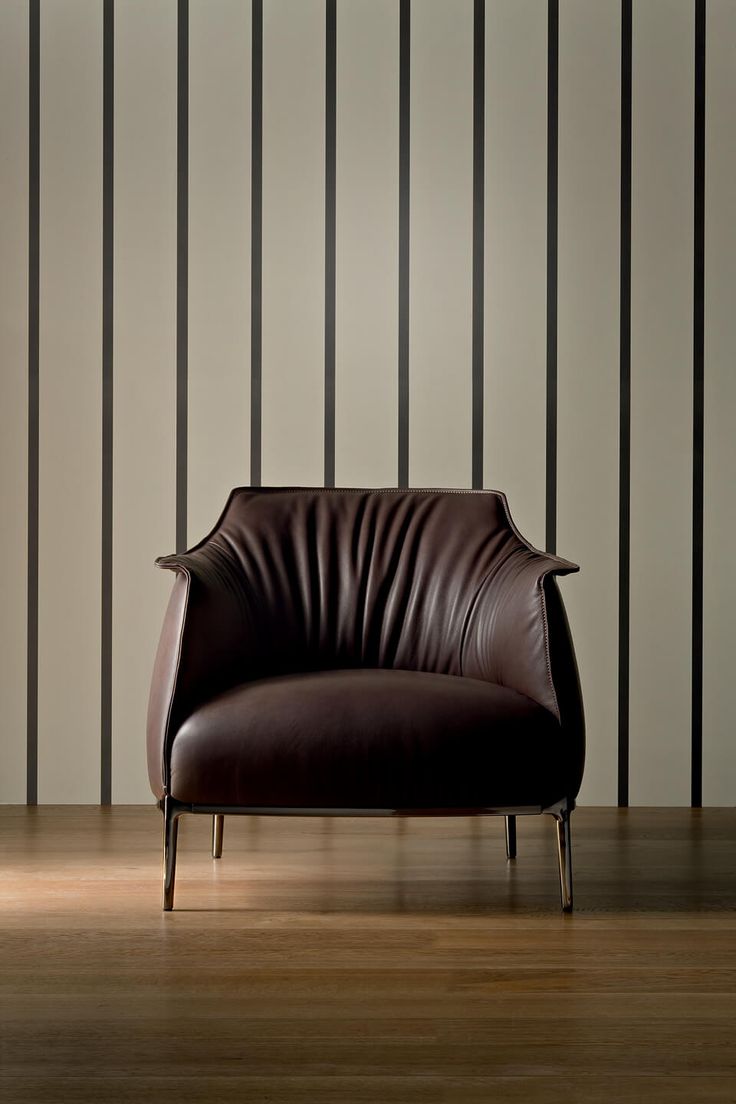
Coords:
182,570
545,630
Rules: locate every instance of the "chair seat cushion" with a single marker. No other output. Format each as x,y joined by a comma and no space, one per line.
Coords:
369,739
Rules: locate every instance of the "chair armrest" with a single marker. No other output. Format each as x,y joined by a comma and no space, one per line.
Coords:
566,683
201,649
508,639
517,635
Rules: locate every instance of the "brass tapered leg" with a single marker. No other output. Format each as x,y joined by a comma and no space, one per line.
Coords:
510,837
564,855
218,827
172,812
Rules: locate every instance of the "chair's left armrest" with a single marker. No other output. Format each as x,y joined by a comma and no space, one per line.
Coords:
201,649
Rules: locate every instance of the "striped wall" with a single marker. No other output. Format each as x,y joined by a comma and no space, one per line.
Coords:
368,242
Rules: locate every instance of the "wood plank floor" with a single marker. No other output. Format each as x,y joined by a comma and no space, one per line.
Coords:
367,961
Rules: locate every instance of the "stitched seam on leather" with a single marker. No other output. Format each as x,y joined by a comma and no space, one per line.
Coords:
363,490
188,576
558,561
545,625
557,566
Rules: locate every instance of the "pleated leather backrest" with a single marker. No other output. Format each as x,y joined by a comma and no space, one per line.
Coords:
380,578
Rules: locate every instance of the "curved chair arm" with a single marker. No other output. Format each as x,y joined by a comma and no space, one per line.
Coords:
566,682
507,639
201,649
517,635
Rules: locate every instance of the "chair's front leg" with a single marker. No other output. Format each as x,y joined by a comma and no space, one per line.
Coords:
510,837
564,855
218,827
172,811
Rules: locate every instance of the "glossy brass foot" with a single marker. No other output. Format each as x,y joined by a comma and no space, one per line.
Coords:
172,811
218,827
510,837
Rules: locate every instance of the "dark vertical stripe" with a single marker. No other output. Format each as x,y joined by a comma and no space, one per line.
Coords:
624,471
479,115
108,148
182,270
34,101
256,193
330,184
698,407
553,20
404,138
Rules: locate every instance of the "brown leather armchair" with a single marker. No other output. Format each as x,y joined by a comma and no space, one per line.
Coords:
365,652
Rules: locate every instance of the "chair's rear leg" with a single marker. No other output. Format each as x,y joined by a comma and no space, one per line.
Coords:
172,812
510,837
564,855
218,827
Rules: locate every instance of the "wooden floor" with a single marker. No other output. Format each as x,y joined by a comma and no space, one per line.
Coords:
380,961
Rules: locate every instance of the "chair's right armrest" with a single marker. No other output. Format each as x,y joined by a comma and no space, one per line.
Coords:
507,639
518,636
201,649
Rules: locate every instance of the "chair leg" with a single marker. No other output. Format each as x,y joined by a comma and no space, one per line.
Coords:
218,827
510,837
564,855
172,812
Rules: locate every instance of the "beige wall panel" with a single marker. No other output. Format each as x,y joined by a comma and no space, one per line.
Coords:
515,257
661,401
719,645
13,393
366,329
293,241
219,256
441,244
144,367
588,364
70,402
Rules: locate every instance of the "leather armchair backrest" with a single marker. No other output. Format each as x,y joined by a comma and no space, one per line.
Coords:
379,578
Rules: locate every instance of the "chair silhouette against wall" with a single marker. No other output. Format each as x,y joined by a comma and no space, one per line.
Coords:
365,652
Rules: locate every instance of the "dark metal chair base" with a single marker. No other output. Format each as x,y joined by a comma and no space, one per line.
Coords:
510,837
173,809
